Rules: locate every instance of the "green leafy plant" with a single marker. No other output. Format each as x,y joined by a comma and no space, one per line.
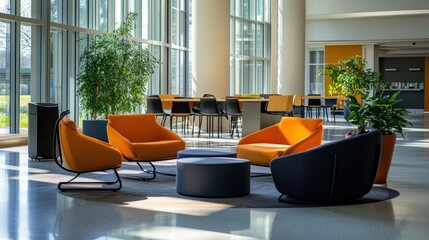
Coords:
378,111
350,77
114,72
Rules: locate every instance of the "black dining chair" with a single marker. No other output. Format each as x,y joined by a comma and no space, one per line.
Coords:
209,109
314,104
154,105
328,108
180,109
233,110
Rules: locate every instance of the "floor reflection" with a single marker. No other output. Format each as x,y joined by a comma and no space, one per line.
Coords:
32,208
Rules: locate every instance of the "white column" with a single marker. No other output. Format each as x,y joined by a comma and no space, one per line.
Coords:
291,47
210,47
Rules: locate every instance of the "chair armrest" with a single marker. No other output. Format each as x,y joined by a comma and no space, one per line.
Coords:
270,134
122,143
313,140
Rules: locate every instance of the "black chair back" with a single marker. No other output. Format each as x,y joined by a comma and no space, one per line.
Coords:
208,105
330,102
154,104
181,107
232,106
314,102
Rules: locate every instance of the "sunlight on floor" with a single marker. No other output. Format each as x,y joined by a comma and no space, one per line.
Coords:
178,206
161,233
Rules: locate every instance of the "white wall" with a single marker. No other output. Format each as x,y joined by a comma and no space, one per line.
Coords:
366,20
210,50
353,6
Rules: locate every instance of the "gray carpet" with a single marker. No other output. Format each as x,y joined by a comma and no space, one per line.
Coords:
161,192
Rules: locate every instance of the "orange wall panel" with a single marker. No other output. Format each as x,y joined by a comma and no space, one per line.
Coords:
339,52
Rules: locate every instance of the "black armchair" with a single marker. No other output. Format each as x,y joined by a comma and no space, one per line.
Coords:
334,172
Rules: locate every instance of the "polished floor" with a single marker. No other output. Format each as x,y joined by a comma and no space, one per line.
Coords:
32,208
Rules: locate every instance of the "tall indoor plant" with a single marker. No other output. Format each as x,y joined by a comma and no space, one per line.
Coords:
351,78
378,111
114,73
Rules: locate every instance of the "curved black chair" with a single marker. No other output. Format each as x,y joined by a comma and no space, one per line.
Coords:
334,172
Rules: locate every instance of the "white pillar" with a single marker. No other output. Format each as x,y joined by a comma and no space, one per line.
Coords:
210,47
291,47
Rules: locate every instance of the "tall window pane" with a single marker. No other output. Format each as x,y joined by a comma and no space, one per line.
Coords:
154,84
317,82
26,8
4,78
175,27
83,13
179,36
56,68
175,71
104,15
250,46
25,76
151,19
249,39
55,10
260,40
5,6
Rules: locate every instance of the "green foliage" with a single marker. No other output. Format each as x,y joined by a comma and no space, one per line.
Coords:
350,77
23,108
114,72
379,112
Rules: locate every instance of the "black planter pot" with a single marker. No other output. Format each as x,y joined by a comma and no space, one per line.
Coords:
95,129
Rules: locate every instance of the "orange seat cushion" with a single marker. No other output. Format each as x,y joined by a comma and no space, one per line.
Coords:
157,150
260,153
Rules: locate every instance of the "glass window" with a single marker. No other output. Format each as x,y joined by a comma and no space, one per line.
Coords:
5,6
250,46
260,40
175,27
4,78
25,76
55,10
104,15
154,84
249,39
26,8
57,82
238,38
83,13
260,11
56,68
179,37
316,62
151,20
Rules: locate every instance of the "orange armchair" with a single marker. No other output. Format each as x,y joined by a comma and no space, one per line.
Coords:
291,135
141,139
79,154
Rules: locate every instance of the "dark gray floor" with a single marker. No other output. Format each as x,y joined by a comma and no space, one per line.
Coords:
32,208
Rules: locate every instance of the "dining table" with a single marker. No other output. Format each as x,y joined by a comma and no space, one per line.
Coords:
252,118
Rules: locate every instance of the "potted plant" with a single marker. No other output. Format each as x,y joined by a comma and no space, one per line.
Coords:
113,75
352,79
378,111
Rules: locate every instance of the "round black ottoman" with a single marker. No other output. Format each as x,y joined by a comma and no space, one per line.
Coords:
188,153
213,176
